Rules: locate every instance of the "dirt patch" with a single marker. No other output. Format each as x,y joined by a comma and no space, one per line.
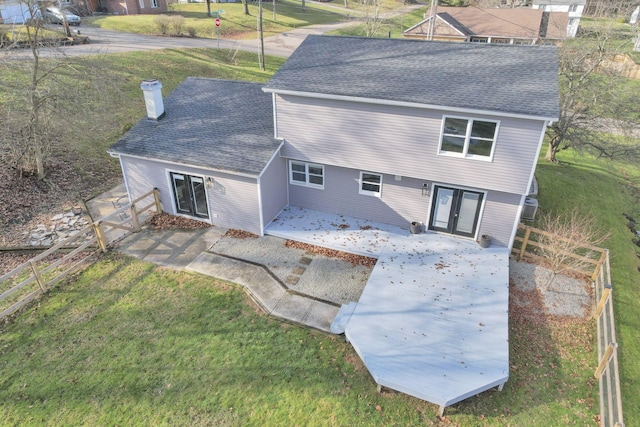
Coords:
332,253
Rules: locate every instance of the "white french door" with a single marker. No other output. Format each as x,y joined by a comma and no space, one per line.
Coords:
190,195
455,211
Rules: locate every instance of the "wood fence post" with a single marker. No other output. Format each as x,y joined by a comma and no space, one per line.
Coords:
156,197
599,265
603,300
605,359
36,273
134,218
523,248
102,241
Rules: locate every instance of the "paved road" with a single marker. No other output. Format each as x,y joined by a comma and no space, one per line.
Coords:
110,41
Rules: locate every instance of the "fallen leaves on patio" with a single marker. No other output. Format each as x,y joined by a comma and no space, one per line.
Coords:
332,253
165,221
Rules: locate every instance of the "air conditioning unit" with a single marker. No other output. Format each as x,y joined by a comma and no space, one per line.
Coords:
530,208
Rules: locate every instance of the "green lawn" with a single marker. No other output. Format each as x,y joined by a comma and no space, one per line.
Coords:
130,343
606,190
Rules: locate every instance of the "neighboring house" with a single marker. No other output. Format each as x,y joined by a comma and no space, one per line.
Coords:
500,26
128,7
574,8
388,130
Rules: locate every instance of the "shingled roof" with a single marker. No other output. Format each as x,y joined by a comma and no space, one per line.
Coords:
216,124
503,79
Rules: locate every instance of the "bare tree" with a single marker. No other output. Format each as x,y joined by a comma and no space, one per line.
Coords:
45,98
371,16
571,241
589,108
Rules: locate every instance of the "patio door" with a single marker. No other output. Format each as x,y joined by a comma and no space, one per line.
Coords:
190,195
455,211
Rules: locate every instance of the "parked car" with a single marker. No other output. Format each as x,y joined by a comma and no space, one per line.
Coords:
55,15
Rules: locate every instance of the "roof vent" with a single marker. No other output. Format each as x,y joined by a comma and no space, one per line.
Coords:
152,90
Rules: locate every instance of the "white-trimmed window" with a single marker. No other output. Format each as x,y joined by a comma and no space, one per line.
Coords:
462,137
370,184
306,174
154,3
141,2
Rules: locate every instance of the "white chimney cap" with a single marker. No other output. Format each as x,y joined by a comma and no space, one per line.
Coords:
152,90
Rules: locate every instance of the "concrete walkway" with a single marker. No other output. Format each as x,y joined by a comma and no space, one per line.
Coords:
190,250
267,291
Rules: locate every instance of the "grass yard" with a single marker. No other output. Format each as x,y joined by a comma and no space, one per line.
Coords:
606,190
394,26
235,24
130,343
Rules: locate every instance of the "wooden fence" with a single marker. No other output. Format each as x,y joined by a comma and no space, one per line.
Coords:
594,263
607,371
24,283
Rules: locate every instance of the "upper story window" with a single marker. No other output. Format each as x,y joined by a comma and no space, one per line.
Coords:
468,137
154,3
306,174
370,184
573,8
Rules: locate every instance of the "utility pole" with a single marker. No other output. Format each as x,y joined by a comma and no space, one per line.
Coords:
261,33
431,28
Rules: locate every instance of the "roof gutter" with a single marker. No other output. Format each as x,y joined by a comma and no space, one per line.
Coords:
406,104
156,160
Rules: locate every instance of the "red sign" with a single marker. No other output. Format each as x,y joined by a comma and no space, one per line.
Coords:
217,22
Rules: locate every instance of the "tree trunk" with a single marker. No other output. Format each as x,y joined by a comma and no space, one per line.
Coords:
551,153
39,162
245,7
208,7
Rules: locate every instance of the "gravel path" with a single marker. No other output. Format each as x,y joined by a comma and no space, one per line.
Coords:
561,295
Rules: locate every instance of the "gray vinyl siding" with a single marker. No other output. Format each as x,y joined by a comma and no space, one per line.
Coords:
400,203
233,200
273,184
402,141
500,216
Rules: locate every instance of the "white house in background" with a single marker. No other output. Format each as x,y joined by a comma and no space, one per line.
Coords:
573,7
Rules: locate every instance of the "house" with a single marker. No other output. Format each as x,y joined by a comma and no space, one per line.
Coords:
394,131
503,26
574,8
128,7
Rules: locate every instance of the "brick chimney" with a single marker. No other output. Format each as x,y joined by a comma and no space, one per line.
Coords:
152,90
